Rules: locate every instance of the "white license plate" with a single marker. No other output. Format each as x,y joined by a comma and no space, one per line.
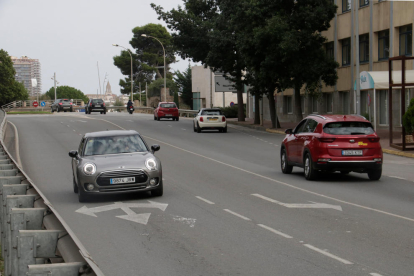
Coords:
352,152
212,119
122,180
97,105
168,115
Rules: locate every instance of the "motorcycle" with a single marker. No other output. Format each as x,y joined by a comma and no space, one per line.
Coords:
131,109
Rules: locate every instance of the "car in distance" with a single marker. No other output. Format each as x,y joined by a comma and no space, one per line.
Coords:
166,110
62,105
115,161
210,118
95,105
344,143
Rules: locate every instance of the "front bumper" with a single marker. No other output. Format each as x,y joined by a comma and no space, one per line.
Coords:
97,109
349,166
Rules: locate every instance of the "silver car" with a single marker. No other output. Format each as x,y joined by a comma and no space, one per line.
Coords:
115,161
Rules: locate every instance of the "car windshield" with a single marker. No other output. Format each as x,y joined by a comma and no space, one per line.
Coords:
114,145
97,101
168,105
211,112
66,101
349,128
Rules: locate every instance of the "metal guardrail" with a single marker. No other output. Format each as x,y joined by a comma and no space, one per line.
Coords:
29,103
35,240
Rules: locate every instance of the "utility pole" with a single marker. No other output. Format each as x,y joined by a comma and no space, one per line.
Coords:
139,93
99,78
146,94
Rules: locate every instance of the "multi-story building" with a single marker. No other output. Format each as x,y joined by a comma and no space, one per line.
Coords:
383,29
26,70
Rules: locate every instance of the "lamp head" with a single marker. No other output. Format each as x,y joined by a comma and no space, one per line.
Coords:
116,45
144,35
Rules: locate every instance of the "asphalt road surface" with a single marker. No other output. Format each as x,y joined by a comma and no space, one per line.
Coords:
227,208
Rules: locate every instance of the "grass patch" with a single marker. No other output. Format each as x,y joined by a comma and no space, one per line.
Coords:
28,112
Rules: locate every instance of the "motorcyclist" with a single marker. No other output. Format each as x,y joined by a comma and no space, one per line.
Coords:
129,104
130,107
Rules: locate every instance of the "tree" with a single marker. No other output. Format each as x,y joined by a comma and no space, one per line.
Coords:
147,56
154,89
183,81
66,92
202,33
11,90
283,45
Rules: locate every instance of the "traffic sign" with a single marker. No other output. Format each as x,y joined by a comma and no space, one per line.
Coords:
35,104
43,104
232,104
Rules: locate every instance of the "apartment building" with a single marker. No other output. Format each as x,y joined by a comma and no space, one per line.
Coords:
26,70
384,29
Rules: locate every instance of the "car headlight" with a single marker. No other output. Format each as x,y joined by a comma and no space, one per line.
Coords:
89,169
151,164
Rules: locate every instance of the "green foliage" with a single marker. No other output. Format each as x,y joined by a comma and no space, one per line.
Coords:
143,98
366,115
183,81
147,55
66,92
231,111
176,100
154,89
118,102
408,118
11,90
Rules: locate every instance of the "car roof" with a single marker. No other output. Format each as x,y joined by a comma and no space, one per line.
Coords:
211,109
329,118
110,133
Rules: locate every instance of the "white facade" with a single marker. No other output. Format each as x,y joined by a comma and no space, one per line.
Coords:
26,70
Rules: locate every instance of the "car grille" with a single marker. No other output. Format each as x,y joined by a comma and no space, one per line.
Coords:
122,189
105,177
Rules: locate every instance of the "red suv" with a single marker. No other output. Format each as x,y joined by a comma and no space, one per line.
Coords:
345,143
166,110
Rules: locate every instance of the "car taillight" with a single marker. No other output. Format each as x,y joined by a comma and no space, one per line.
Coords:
90,104
201,119
223,119
326,140
60,103
70,103
103,104
374,140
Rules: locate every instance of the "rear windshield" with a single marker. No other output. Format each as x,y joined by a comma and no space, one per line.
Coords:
211,112
114,145
349,128
168,105
97,101
66,101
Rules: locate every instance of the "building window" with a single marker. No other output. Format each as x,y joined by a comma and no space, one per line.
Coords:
302,103
288,105
383,45
363,3
330,49
383,107
406,41
364,48
344,99
314,104
346,5
328,102
346,51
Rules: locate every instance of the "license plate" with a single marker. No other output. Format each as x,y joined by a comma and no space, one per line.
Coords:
97,105
212,119
352,152
168,115
122,180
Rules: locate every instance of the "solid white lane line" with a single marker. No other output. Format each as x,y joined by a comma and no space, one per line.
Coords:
375,274
323,252
275,231
271,179
237,215
205,200
16,144
397,177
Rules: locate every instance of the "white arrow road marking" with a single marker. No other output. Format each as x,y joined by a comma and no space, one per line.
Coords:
315,205
130,215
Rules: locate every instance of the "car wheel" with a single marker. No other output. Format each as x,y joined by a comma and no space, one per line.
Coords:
310,172
155,118
286,168
158,191
58,110
220,130
82,196
225,129
177,119
104,113
198,128
158,118
194,127
64,111
375,174
75,186
52,110
71,110
101,112
86,111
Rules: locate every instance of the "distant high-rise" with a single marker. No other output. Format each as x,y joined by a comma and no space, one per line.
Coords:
26,70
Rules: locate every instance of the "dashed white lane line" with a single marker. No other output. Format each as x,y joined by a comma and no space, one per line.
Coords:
205,200
237,215
275,231
68,125
74,130
169,126
183,129
375,274
129,120
323,252
82,121
397,177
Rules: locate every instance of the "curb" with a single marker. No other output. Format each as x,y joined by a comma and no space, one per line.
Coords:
394,152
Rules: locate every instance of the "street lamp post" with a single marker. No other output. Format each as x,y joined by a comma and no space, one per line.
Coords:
54,83
165,67
132,81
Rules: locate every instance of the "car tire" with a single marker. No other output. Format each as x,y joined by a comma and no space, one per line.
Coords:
64,111
158,118
158,191
220,130
71,110
82,196
177,119
310,172
52,110
375,174
58,110
101,112
284,164
75,186
86,111
198,128
104,112
225,130
194,127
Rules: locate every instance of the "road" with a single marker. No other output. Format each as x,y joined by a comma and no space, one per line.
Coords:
230,209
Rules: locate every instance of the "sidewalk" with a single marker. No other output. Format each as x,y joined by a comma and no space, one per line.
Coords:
267,126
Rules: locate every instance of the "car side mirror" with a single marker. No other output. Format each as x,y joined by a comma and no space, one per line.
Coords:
155,148
288,131
73,153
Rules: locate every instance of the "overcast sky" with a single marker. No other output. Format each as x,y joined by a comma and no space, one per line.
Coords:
70,37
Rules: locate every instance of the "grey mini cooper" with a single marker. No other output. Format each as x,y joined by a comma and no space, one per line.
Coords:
115,161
